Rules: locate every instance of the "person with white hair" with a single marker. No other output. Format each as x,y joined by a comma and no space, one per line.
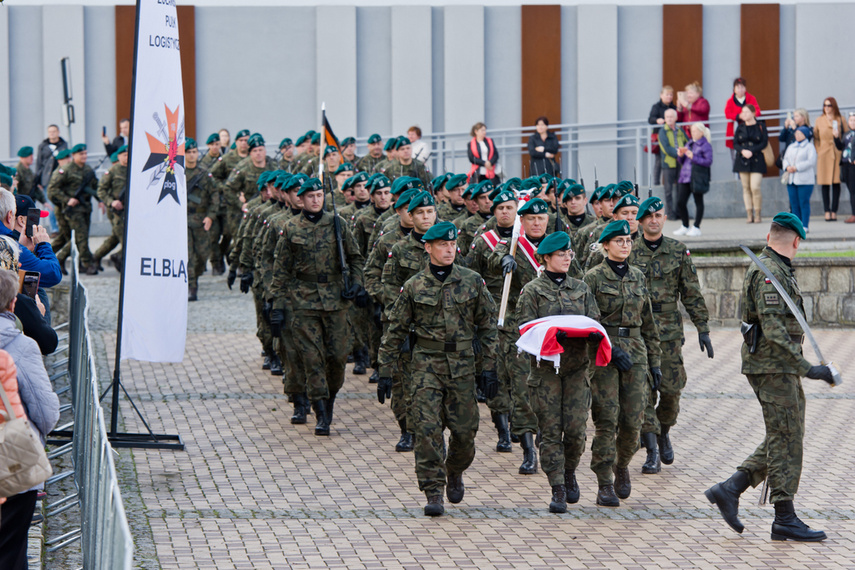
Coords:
694,179
36,253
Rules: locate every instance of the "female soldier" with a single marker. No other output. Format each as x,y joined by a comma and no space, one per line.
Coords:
561,401
619,390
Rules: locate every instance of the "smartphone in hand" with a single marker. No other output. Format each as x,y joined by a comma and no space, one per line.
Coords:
34,216
30,284
104,131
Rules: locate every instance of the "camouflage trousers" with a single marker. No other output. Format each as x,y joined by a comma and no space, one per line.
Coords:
360,321
294,374
402,396
323,340
513,371
78,221
262,326
117,220
779,457
617,408
561,402
63,234
375,332
214,234
441,402
673,381
198,249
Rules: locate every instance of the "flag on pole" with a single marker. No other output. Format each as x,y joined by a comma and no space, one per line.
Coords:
153,306
537,337
328,135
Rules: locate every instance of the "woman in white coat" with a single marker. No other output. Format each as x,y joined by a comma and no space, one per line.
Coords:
800,164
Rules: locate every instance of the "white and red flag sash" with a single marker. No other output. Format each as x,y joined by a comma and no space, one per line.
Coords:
491,238
537,337
529,250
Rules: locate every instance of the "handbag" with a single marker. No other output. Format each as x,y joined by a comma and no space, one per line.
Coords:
769,156
654,144
785,178
700,181
23,461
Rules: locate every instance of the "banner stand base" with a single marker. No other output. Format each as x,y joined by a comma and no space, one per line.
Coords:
127,440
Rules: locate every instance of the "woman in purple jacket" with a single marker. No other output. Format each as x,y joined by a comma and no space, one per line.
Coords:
694,178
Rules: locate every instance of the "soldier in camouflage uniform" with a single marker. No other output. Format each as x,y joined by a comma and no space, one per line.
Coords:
390,149
561,401
624,207
221,242
671,278
201,211
111,192
348,150
447,307
307,273
620,389
388,220
575,214
406,165
437,188
286,147
374,156
311,153
587,236
469,228
773,362
25,176
454,187
73,187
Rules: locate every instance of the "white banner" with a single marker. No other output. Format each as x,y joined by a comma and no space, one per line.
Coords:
154,319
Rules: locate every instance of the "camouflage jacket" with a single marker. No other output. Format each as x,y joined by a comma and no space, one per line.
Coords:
469,229
671,277
224,166
406,258
477,260
254,230
367,163
446,211
575,230
66,180
26,182
779,350
458,310
307,268
244,180
202,200
387,222
112,185
586,242
377,259
350,211
625,302
270,235
208,161
363,228
287,165
416,169
544,298
237,242
462,218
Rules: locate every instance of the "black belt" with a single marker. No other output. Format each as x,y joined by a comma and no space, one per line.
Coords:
319,278
443,346
623,332
663,307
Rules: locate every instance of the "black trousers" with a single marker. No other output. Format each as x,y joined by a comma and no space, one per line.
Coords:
683,192
835,197
16,515
847,172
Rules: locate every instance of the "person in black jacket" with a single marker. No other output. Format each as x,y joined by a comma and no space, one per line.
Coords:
749,140
120,140
657,117
45,157
543,148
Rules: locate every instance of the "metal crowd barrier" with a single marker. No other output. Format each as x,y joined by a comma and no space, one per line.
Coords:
104,532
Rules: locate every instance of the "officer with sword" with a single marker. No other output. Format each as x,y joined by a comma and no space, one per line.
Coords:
773,328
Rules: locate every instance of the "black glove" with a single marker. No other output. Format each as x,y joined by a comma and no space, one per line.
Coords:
655,377
277,317
265,310
489,384
230,280
621,359
361,298
509,264
821,372
245,282
706,343
596,336
560,335
384,389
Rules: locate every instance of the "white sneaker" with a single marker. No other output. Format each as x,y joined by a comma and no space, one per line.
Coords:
694,232
682,231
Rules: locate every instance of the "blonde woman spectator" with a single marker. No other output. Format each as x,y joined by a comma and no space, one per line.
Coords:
693,108
801,118
748,142
694,179
800,164
829,126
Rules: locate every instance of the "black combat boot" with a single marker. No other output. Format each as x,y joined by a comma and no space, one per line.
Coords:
666,452
330,404
434,507
787,525
218,268
479,396
606,496
191,293
266,364
725,495
501,423
301,408
375,376
529,464
406,441
322,427
275,365
360,361
559,500
454,488
571,487
652,465
623,486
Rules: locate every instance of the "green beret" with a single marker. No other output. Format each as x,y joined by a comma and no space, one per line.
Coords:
190,144
282,180
483,187
613,229
213,138
265,177
502,197
8,170
573,190
534,206
256,141
234,146
310,185
64,153
375,138
561,186
556,241
513,184
530,186
544,178
469,189
286,142
391,144
296,181
403,140
406,183
791,222
624,187
443,230
114,158
25,151
405,197
608,192
329,149
355,179
570,180
5,179
310,134
595,195
652,204
301,139
242,133
455,181
437,182
124,148
421,200
315,138
348,141
379,183
625,201
343,166
78,148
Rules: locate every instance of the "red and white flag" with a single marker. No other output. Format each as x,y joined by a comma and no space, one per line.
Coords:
537,337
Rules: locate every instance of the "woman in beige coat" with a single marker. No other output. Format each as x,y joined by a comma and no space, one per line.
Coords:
829,126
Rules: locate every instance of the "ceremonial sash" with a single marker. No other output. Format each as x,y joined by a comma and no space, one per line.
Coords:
491,238
528,251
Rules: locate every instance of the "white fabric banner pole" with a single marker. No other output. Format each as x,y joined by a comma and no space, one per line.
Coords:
153,298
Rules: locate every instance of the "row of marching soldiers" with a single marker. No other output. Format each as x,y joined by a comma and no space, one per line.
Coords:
410,281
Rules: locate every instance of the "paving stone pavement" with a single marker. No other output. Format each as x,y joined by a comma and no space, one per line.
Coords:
253,491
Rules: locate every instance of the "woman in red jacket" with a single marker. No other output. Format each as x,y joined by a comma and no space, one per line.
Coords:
734,105
693,108
483,155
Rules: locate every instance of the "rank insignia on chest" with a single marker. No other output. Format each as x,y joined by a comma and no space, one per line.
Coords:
771,299
447,302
